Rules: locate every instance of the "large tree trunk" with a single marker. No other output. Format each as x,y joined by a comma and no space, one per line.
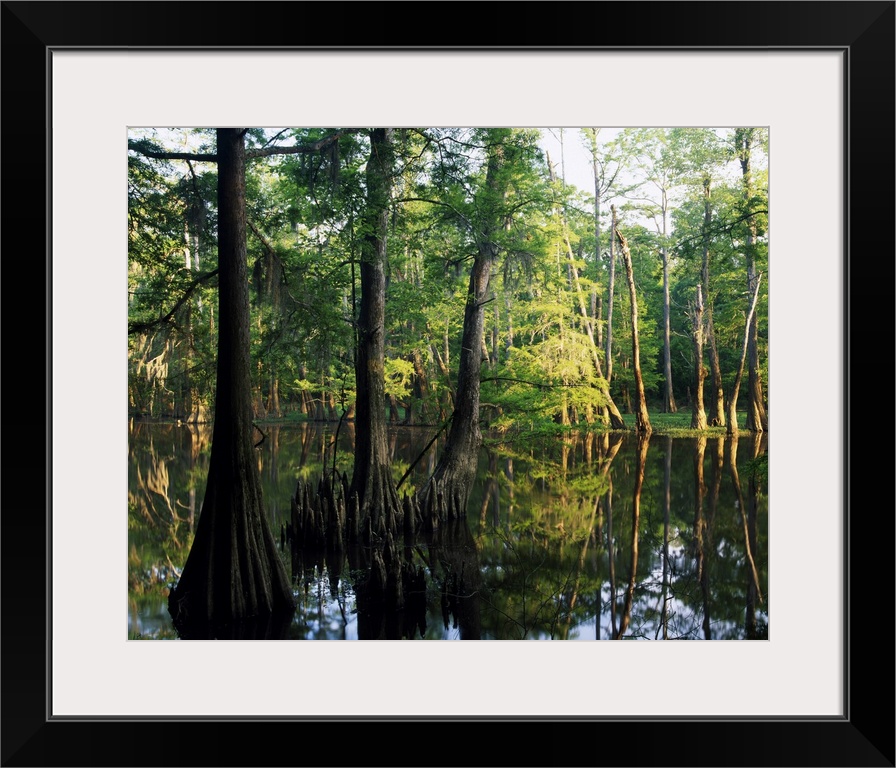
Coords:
642,417
234,571
372,473
447,493
448,489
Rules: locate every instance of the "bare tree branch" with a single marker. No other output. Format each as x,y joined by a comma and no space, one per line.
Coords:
315,146
147,149
143,327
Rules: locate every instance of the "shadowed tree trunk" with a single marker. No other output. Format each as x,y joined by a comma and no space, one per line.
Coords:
234,571
447,493
334,514
372,473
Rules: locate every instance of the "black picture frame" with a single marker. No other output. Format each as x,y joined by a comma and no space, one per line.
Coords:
864,31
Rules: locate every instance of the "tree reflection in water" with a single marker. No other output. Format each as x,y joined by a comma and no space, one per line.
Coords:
593,537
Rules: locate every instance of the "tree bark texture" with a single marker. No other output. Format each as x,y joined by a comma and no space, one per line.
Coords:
372,473
233,571
447,493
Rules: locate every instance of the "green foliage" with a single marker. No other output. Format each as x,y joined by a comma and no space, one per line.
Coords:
398,375
304,245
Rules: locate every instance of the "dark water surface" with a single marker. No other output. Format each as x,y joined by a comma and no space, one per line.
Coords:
592,537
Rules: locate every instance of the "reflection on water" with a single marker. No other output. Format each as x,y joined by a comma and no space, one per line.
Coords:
580,538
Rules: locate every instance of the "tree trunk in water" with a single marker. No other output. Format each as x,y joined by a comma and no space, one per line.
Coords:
757,419
717,392
735,389
421,389
698,413
716,395
448,488
233,571
372,474
642,418
447,493
274,397
258,408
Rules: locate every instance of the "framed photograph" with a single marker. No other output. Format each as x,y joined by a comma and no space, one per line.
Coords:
817,75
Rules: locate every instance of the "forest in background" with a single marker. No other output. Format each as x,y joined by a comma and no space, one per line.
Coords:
556,346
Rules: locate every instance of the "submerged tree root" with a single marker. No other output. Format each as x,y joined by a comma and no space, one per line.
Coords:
328,525
441,501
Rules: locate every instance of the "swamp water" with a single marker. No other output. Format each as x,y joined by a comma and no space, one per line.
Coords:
594,537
